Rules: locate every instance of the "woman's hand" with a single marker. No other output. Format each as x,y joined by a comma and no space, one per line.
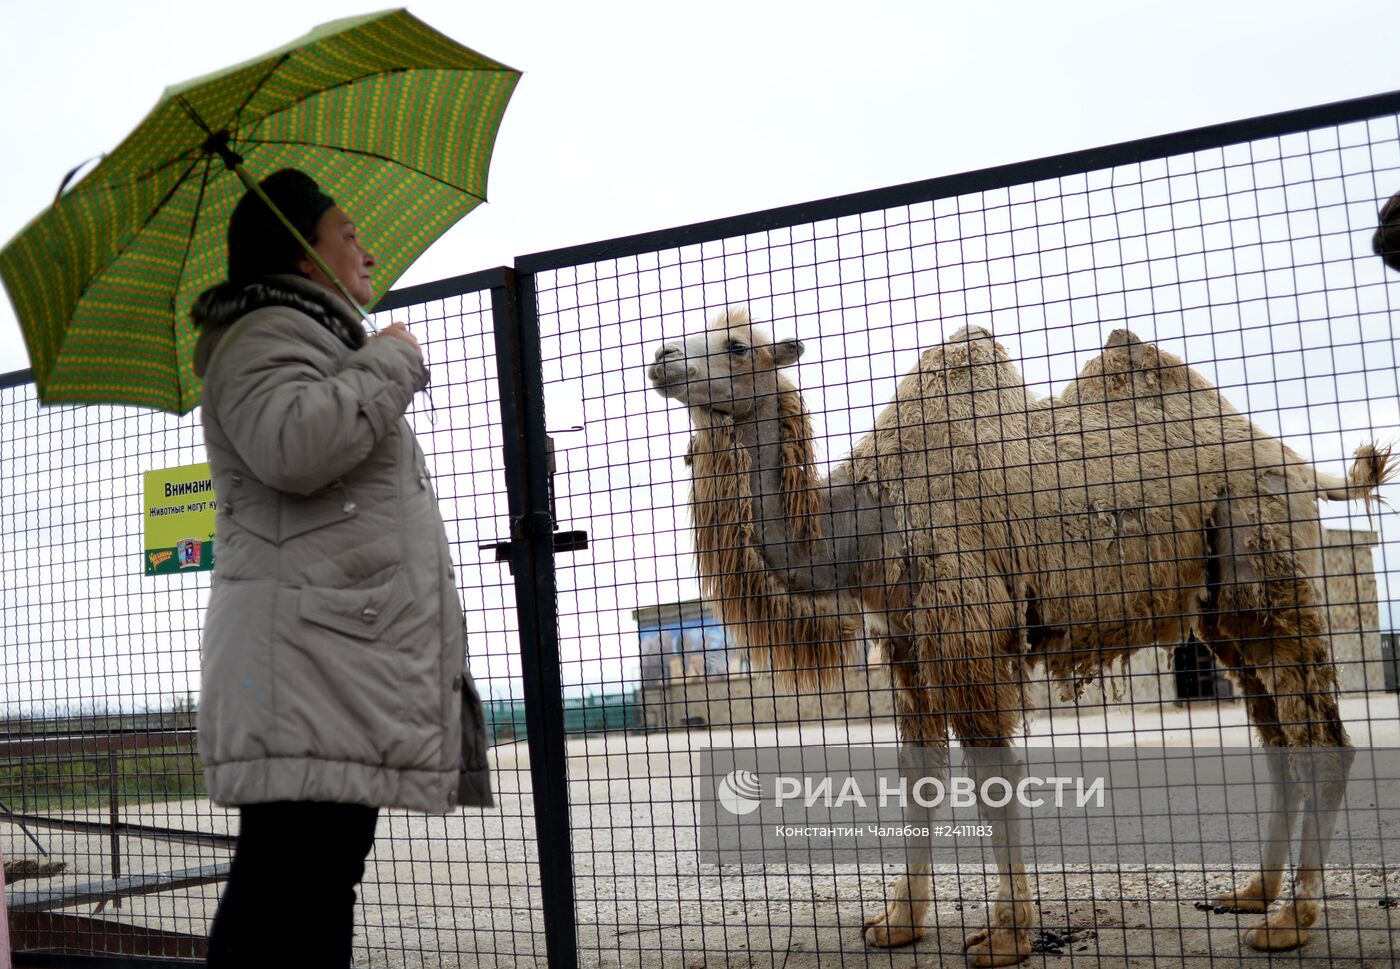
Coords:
398,331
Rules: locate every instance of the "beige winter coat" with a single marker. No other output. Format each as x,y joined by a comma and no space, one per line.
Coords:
333,654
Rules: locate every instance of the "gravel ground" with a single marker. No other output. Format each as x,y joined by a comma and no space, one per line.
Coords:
464,890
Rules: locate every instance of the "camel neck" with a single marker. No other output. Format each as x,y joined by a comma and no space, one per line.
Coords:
758,539
782,485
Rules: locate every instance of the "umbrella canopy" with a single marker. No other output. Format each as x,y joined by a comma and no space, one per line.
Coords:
395,121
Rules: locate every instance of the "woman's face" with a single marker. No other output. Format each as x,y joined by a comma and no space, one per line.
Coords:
339,246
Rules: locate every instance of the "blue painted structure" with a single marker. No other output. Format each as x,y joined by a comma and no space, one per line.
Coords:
678,640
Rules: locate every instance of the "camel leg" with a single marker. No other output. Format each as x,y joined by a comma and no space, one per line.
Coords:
1006,940
1319,763
1324,774
1295,710
1262,573
902,921
1285,797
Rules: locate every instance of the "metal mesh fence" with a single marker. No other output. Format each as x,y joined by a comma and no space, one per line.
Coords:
993,560
1251,262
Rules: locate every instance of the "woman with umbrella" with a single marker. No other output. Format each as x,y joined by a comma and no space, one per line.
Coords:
333,675
333,659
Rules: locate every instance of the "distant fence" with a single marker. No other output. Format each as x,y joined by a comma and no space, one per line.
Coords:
1242,248
596,713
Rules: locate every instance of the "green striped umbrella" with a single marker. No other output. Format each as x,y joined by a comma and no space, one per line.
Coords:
395,120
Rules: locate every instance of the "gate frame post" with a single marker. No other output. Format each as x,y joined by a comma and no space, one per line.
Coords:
520,372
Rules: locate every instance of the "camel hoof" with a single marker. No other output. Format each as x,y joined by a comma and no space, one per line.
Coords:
882,936
997,947
1250,900
1274,938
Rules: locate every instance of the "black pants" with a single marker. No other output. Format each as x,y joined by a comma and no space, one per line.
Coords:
290,898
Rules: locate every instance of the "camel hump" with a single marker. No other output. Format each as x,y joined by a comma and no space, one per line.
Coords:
971,345
1130,367
971,334
1125,352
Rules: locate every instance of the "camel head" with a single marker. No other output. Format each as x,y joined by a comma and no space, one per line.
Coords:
727,369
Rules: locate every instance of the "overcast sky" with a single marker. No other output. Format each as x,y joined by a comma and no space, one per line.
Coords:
635,116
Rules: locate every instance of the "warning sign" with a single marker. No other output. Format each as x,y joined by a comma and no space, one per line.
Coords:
179,510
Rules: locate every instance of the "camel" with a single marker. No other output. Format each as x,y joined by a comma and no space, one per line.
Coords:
979,531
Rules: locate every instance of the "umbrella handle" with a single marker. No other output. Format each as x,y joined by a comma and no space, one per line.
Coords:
257,189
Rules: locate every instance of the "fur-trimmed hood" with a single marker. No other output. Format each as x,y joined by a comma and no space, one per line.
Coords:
217,309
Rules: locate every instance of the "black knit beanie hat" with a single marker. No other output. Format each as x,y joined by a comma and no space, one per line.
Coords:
258,243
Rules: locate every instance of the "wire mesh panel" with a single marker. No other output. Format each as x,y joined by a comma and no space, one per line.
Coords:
101,674
109,843
1122,502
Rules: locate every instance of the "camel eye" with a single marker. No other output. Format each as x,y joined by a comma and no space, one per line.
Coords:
737,348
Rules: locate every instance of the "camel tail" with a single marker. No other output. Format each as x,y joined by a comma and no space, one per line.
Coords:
1372,468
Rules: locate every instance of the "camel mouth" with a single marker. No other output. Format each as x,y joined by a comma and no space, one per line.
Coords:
668,380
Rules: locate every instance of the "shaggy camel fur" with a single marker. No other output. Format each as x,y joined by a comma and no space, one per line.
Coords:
978,531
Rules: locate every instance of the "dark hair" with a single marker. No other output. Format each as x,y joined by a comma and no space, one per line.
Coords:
1386,242
258,243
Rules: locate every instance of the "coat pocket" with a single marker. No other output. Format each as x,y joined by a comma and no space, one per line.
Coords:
342,674
358,613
